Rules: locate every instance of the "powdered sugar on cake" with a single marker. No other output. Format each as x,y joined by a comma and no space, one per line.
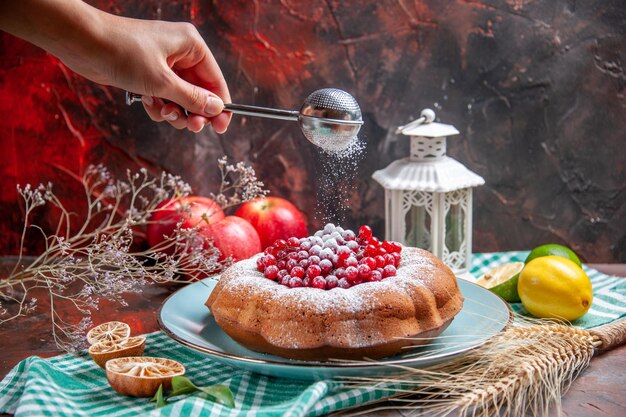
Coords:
350,300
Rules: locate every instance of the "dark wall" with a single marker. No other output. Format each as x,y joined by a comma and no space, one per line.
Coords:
535,87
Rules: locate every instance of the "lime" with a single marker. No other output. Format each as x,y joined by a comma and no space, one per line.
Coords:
502,280
555,287
553,249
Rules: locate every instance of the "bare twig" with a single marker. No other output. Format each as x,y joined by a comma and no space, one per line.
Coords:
96,257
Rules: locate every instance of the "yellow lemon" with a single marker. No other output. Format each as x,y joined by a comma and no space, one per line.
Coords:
555,287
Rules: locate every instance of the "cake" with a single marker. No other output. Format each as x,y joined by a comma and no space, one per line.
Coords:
402,297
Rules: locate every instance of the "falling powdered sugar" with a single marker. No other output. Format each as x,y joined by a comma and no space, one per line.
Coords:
337,175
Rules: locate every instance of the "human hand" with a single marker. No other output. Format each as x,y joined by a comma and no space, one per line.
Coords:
168,63
182,71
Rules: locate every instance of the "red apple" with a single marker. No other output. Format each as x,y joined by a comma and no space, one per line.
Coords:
233,236
273,218
202,210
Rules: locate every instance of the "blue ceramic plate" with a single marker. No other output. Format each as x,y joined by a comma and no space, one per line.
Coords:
185,318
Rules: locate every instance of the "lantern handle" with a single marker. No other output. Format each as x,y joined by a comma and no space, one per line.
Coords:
426,116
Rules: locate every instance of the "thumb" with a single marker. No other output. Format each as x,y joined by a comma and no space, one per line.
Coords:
193,98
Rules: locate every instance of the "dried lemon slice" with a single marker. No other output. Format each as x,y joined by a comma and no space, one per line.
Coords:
101,352
109,331
140,376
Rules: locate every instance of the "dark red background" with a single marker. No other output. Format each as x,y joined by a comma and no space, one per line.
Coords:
535,87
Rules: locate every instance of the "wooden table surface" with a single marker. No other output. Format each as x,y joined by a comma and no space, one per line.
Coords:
599,391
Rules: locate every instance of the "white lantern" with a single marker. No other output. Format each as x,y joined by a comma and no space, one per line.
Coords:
428,195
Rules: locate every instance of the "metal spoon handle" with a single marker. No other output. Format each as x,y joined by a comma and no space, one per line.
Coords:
267,112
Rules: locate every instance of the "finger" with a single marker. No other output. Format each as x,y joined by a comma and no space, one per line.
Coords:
152,106
200,67
196,123
173,114
220,123
209,72
192,97
206,73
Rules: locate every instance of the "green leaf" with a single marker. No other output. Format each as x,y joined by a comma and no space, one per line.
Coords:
181,385
221,393
158,397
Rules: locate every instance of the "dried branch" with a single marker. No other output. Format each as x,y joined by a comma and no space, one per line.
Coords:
95,258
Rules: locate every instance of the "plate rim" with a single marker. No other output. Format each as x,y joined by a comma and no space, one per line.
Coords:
356,364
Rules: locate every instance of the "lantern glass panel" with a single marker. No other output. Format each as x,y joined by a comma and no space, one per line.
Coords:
455,227
418,223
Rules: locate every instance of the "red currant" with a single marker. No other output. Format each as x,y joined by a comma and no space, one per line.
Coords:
351,261
376,275
353,245
369,261
396,259
389,259
314,260
340,273
365,232
318,282
343,252
326,266
313,271
295,282
351,273
285,279
297,271
269,260
389,271
291,264
315,250
331,282
364,272
371,249
271,272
